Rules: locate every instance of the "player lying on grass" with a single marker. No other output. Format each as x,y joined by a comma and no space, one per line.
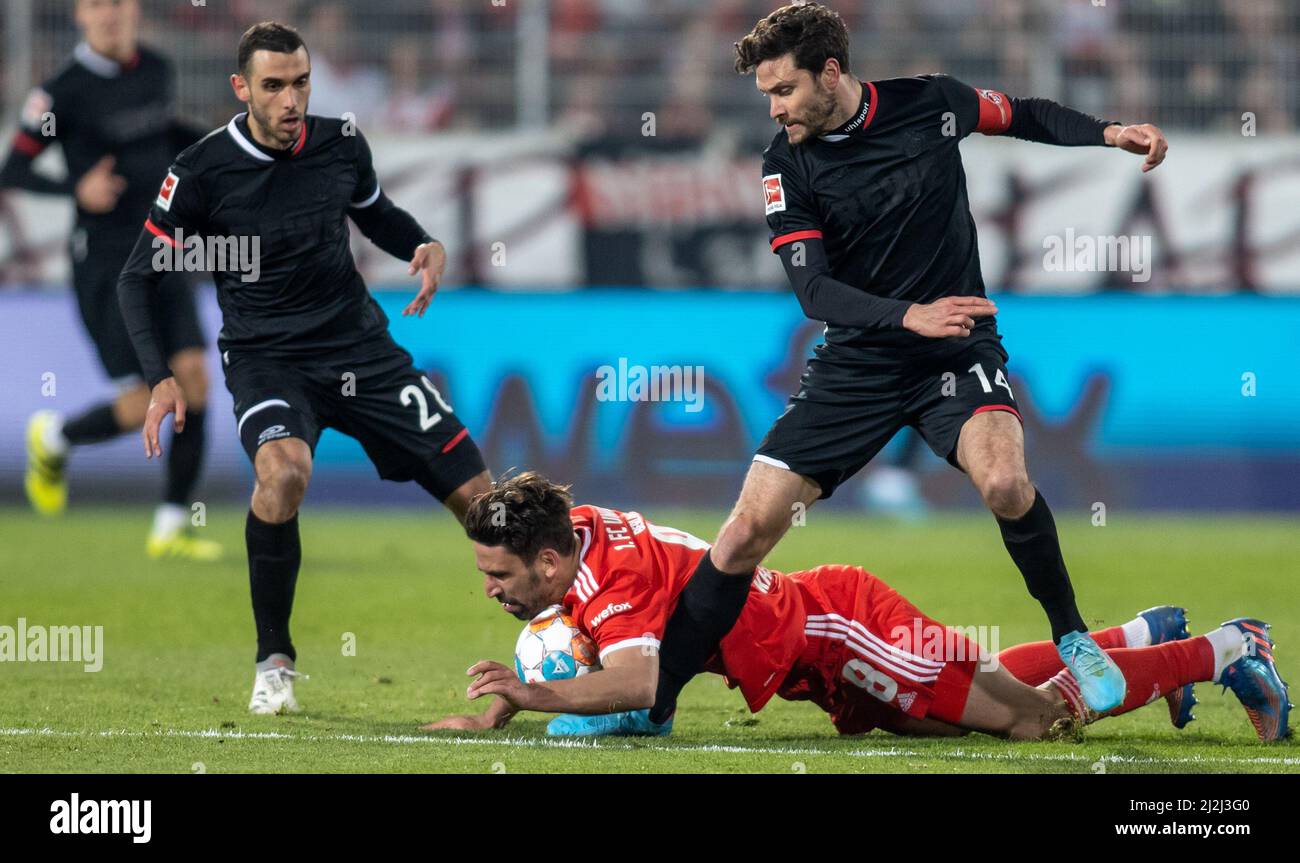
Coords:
834,635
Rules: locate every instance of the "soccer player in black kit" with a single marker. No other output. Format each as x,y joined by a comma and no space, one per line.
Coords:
304,345
866,205
110,110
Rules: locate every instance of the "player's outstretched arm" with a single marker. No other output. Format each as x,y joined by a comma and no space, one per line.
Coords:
1047,122
991,112
626,681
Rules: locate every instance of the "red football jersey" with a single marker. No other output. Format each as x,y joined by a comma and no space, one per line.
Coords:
630,574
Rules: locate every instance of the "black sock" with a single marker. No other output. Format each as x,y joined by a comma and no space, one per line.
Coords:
274,554
706,610
185,460
1033,544
92,426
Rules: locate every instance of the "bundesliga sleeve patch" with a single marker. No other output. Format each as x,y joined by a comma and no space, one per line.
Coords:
168,191
773,194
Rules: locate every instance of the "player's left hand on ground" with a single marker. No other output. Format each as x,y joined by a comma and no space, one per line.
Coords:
464,722
497,679
430,260
165,399
1143,139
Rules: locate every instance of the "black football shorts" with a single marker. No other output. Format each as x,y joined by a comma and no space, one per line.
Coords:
374,394
851,403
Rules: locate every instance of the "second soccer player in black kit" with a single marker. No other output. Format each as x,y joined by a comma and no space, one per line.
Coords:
303,344
109,109
866,204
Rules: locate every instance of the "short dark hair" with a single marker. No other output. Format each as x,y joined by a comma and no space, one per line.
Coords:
267,36
525,514
809,31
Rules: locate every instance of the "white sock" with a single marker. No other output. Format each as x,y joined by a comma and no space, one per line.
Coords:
169,518
1137,633
52,436
1229,645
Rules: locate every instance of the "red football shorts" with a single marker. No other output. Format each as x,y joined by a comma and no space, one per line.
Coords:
871,653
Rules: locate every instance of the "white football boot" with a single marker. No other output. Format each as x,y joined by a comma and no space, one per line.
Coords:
273,687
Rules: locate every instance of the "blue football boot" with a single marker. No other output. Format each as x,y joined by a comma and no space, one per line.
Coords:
626,723
1169,623
1099,678
1254,680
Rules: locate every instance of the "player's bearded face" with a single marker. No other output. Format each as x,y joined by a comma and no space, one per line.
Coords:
523,589
278,87
522,596
800,102
813,117
820,113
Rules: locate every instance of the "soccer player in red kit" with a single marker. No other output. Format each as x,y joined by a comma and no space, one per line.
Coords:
834,635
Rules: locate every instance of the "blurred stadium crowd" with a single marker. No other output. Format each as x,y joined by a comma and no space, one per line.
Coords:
424,65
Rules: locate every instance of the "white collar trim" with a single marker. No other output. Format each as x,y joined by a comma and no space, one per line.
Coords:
104,67
246,145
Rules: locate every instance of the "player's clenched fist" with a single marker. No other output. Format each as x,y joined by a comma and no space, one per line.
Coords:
950,316
99,188
165,399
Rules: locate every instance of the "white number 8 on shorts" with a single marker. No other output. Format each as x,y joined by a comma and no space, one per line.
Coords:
876,682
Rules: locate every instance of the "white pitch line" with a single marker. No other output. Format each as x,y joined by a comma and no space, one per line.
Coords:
549,743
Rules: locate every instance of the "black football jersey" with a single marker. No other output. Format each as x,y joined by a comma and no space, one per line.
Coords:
95,107
288,207
886,194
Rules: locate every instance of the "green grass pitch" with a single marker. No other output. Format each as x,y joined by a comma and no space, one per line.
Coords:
178,652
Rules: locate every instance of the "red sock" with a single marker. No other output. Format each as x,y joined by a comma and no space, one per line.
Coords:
1035,663
1150,672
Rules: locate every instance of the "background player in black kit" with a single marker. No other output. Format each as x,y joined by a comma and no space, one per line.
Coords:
304,346
110,110
866,203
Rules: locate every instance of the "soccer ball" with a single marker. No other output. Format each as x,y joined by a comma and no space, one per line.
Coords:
551,647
